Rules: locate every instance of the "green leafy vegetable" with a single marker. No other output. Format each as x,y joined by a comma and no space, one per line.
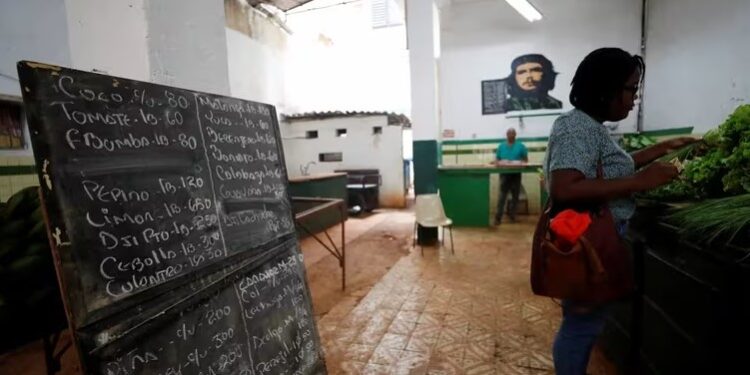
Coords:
635,142
713,219
719,166
684,153
677,191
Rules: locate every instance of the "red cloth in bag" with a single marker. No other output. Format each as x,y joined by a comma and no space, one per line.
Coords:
568,226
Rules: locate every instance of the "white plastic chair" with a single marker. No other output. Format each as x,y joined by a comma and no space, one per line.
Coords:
429,213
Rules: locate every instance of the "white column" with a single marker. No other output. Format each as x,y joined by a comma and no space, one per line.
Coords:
423,30
423,33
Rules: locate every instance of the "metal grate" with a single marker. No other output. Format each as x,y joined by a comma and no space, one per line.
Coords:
11,126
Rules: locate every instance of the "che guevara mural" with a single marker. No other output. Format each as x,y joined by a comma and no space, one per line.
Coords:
526,88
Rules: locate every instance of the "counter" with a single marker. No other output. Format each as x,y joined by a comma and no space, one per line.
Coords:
324,185
467,195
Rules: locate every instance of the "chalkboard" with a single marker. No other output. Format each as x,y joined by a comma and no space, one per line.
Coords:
494,96
171,227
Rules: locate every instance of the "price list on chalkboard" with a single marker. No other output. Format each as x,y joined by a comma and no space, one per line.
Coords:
166,202
249,177
259,325
494,96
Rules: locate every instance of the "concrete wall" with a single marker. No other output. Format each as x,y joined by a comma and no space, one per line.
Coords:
480,39
187,44
21,39
109,36
256,70
360,149
256,56
174,42
180,43
29,30
696,62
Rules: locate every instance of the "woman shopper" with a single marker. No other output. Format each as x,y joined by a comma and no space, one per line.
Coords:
604,88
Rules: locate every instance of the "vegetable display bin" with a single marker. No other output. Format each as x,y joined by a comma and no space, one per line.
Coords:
690,313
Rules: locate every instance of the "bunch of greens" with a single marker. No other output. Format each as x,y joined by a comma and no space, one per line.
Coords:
719,166
677,191
735,143
635,142
722,218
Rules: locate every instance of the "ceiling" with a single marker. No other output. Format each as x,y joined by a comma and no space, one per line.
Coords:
479,22
284,5
499,15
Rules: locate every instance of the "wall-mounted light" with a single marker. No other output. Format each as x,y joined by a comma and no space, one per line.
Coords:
527,10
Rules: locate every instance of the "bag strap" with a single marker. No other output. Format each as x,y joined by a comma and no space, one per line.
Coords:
547,182
595,263
599,273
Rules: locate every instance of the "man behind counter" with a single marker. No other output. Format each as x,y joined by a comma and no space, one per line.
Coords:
509,152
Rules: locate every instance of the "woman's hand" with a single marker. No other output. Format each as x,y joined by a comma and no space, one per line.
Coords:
656,174
645,156
677,143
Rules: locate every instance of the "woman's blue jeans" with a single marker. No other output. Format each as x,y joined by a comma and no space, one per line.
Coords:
576,337
578,332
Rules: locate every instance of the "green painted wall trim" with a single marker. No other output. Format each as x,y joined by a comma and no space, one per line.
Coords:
656,133
439,154
664,132
487,151
490,140
486,171
426,158
17,170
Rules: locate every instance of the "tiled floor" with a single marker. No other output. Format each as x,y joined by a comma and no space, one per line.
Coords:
468,313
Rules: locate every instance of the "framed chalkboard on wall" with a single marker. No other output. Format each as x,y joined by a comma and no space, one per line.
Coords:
171,227
494,96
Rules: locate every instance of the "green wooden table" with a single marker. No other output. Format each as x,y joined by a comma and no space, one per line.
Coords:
465,191
324,185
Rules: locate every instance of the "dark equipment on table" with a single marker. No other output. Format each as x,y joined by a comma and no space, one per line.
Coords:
363,188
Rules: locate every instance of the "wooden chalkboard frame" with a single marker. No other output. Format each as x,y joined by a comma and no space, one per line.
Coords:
121,322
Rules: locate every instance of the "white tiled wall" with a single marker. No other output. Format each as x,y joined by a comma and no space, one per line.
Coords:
9,184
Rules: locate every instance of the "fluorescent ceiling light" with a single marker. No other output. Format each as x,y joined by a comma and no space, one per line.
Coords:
526,9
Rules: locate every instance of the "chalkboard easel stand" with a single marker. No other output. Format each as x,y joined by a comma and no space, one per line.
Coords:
340,255
52,358
51,340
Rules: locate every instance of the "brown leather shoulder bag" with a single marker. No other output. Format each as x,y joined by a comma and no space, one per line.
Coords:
597,269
